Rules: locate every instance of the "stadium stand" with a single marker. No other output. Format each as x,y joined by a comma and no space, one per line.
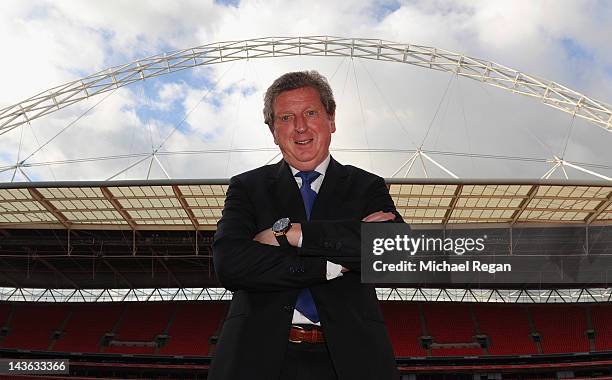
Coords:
562,328
33,326
194,324
87,326
494,322
602,325
416,329
157,339
5,313
140,327
405,328
452,329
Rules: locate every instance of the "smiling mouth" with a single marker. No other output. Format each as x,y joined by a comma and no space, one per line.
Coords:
304,142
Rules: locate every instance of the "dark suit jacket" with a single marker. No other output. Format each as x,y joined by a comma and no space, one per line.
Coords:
267,279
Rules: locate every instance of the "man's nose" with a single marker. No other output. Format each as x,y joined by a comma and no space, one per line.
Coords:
300,124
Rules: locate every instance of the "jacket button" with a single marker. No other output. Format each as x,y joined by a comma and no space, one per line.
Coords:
326,244
291,269
338,245
288,308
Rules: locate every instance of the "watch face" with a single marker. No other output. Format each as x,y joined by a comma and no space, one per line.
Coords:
280,225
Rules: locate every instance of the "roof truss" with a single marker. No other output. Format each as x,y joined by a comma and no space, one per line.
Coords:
529,296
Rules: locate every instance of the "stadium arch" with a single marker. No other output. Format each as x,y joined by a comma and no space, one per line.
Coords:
550,93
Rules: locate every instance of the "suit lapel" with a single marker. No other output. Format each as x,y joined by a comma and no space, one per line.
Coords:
288,199
332,189
286,194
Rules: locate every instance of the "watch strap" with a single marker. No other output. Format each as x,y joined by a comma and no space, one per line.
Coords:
282,240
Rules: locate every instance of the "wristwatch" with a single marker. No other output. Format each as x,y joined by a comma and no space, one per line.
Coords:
279,229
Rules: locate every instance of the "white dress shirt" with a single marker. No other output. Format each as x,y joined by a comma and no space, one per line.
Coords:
333,270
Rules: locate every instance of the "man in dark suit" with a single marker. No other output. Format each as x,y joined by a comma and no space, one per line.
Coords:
288,245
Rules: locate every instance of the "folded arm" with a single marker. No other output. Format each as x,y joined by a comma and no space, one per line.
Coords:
242,263
339,241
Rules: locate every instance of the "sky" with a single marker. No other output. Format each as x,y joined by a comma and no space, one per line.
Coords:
207,122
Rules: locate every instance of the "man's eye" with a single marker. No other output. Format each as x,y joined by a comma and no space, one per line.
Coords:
311,113
285,117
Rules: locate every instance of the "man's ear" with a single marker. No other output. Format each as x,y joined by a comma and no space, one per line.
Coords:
273,134
332,119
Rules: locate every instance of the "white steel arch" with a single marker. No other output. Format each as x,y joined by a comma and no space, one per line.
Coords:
550,93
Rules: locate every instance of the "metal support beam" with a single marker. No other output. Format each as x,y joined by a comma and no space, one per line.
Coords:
591,172
599,209
561,163
161,166
185,205
128,168
410,160
524,203
124,214
451,206
47,205
423,154
420,154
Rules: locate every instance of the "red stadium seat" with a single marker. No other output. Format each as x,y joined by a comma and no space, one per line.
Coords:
562,328
507,327
87,326
141,322
602,324
193,325
404,325
185,328
32,325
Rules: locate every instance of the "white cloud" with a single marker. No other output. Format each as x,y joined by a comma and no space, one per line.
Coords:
390,106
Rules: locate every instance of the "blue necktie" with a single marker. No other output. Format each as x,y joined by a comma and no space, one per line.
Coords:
305,303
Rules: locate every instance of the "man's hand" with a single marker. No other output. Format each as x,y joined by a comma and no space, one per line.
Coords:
293,236
379,216
266,237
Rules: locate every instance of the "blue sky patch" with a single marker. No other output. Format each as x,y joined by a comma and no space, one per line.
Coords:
574,50
383,8
8,157
228,3
147,91
248,91
37,12
214,101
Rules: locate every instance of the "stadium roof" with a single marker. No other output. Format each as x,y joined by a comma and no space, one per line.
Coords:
142,234
197,204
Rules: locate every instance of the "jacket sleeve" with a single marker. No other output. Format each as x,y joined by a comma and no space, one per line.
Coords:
339,241
244,264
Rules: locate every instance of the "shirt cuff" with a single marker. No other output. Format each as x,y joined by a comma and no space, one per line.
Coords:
333,271
299,245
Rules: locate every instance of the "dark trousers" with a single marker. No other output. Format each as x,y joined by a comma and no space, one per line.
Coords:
306,361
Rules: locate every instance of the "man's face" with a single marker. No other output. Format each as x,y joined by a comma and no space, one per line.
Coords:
302,127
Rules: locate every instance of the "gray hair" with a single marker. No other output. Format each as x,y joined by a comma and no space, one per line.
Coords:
292,81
